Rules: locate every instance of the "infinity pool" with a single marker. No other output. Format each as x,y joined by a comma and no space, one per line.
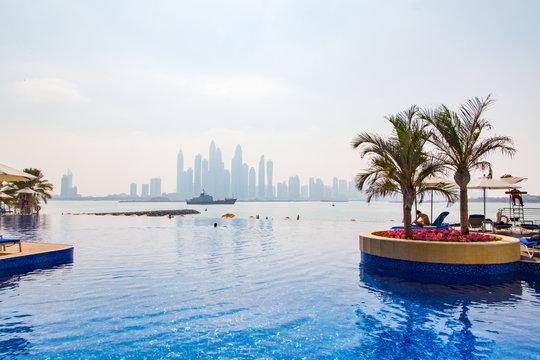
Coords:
143,287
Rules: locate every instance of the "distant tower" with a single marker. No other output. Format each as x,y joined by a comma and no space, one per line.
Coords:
269,183
144,190
197,174
67,190
260,192
155,187
205,175
252,192
236,172
244,181
180,173
226,184
66,185
335,187
133,190
188,182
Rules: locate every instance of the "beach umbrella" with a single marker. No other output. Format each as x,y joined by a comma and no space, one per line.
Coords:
512,180
5,196
26,191
10,174
228,215
485,183
434,181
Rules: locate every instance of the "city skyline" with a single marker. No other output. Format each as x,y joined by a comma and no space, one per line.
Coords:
212,176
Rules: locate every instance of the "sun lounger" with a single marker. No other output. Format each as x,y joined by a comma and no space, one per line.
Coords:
476,222
530,227
530,244
436,225
497,226
10,242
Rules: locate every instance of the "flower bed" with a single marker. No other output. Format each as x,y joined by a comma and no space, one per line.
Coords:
437,235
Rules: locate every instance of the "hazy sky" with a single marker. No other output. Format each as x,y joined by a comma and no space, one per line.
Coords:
113,89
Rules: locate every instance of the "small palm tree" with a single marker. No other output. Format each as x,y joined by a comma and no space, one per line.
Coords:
400,163
42,187
461,146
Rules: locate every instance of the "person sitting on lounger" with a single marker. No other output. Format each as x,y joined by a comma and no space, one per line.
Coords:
421,219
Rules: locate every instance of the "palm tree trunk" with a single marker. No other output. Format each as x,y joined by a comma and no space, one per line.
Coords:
463,210
407,218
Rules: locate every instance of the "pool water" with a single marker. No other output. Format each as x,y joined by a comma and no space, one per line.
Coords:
158,288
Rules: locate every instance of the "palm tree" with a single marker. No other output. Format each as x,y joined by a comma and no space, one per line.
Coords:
461,146
41,186
399,163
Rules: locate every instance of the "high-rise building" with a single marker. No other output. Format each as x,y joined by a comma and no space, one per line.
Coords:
67,190
304,192
269,183
133,190
188,182
261,189
252,192
180,173
144,190
294,187
245,181
236,173
282,192
197,174
205,175
155,187
226,184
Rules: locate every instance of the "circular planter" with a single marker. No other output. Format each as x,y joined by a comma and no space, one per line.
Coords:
442,257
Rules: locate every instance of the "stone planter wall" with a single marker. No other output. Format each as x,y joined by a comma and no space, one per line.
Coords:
503,251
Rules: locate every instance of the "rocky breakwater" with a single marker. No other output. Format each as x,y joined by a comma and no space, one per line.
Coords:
150,213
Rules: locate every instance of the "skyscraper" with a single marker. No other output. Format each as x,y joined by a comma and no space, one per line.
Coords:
133,190
144,190
261,189
269,175
155,187
180,173
67,190
197,174
245,181
205,173
236,173
188,182
252,192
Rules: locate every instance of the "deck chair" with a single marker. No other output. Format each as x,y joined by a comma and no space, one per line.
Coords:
498,226
437,224
439,220
530,244
529,226
476,222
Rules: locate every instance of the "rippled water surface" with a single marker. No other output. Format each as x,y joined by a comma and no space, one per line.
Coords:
143,287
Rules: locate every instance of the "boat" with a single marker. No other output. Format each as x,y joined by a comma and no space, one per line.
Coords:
205,199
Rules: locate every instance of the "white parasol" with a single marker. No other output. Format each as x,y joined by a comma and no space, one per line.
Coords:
485,183
10,174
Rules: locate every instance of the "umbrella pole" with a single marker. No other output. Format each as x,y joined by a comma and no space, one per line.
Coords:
431,206
484,203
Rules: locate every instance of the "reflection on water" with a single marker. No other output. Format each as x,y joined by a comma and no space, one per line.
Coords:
439,314
24,227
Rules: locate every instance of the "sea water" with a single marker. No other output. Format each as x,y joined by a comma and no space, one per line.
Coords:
146,287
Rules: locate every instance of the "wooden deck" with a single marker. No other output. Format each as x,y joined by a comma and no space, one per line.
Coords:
29,248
